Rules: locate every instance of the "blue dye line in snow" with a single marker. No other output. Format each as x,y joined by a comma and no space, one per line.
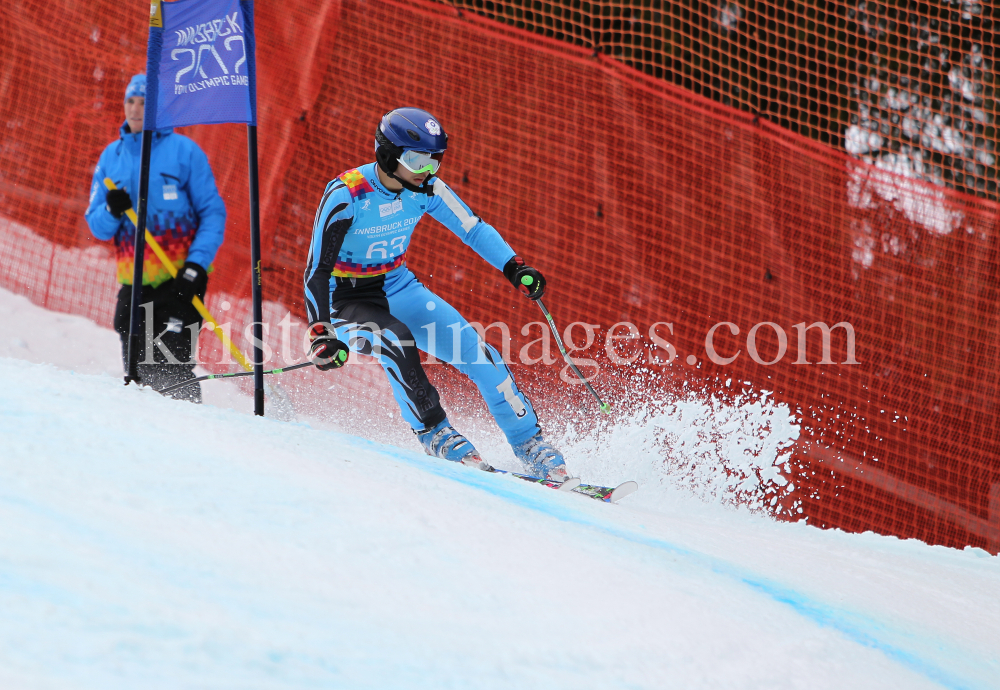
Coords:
857,628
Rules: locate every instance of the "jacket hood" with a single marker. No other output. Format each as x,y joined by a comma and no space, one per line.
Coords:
124,131
133,142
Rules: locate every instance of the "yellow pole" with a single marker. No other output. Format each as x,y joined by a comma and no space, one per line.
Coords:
196,301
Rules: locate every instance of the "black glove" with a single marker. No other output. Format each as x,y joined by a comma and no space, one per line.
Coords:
326,351
191,280
525,278
117,202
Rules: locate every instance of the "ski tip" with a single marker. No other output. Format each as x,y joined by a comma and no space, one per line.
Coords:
569,484
623,490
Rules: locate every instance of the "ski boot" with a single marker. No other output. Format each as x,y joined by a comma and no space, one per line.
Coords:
541,459
442,441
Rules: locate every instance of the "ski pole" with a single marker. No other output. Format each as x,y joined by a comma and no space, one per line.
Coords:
198,304
232,374
605,407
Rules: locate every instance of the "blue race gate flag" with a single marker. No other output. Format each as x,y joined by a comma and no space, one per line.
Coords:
200,66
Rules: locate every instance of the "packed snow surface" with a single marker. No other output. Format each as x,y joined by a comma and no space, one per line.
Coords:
152,543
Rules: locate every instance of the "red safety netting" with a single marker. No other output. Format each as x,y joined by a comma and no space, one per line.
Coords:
906,85
640,199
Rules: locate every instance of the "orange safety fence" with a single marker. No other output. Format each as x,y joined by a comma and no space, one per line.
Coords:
640,199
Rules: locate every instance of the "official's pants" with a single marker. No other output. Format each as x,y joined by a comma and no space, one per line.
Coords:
171,327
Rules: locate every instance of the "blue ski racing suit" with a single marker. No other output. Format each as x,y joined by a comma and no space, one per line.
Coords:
356,280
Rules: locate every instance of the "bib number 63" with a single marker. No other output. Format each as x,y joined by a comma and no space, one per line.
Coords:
383,249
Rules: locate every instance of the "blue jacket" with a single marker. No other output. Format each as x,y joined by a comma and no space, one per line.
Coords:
363,230
186,215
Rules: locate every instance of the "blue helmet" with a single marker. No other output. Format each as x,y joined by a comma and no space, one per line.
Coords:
407,129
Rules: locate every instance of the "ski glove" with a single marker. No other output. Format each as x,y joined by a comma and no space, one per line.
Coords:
191,280
326,351
117,202
528,280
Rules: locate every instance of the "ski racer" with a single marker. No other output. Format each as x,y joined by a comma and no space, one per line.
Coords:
361,296
186,216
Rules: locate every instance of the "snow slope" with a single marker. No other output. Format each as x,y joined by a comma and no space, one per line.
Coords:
157,544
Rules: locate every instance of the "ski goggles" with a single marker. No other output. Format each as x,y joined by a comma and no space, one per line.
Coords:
421,162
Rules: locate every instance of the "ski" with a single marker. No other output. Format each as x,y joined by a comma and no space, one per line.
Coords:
607,494
569,485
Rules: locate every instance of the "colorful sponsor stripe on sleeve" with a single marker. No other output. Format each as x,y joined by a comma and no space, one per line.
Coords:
356,183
